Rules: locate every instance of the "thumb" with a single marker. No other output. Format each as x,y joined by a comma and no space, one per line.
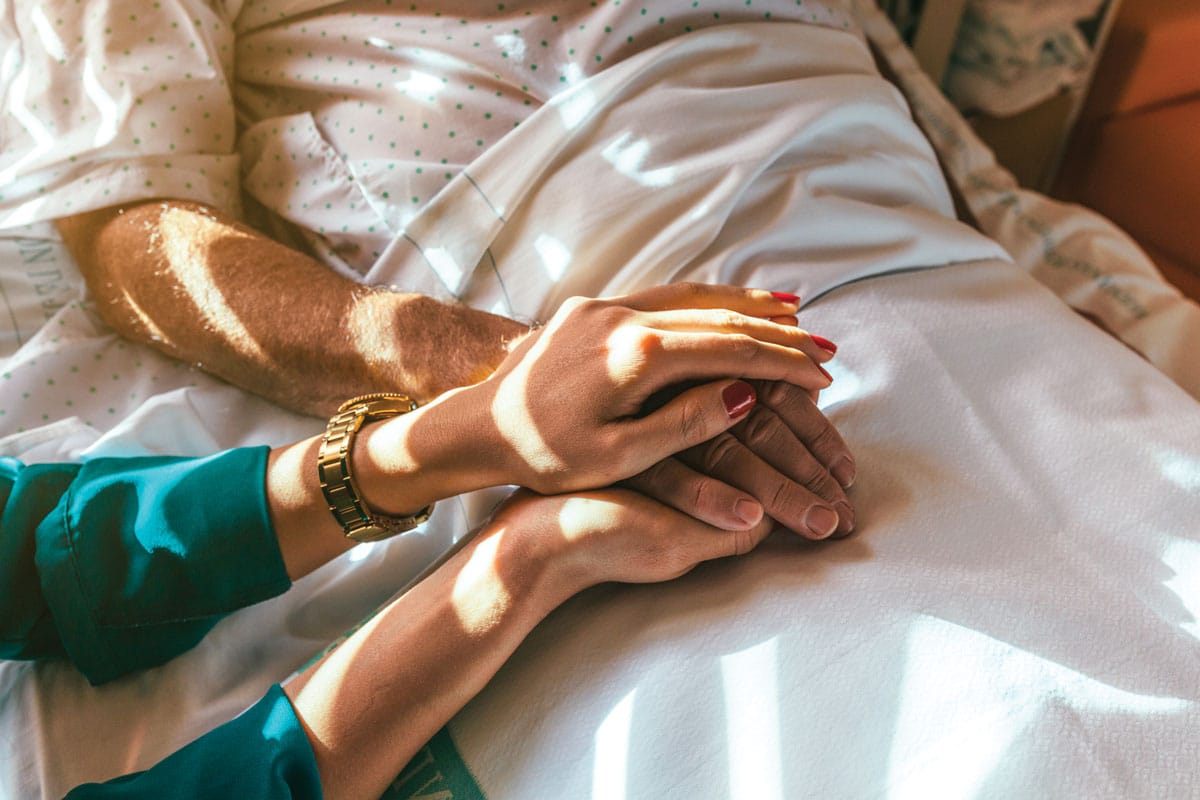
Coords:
696,415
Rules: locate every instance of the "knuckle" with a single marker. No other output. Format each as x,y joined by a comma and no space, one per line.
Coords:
742,542
730,319
718,452
692,421
744,346
782,497
761,429
776,394
825,438
701,495
822,484
651,480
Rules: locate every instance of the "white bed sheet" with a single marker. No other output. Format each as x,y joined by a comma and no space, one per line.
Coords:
1016,610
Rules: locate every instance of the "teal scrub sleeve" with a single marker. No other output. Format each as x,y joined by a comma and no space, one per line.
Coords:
263,754
123,563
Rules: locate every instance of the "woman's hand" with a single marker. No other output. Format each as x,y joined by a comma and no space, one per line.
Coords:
583,539
595,396
568,402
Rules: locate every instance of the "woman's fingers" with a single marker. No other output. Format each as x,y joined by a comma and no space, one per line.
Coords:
672,357
693,416
723,321
621,535
754,302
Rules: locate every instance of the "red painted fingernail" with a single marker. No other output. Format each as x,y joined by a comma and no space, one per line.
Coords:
786,297
823,343
825,373
738,397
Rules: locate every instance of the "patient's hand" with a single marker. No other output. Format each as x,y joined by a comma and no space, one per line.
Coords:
786,455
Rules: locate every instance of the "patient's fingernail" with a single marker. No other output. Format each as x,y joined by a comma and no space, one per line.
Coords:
748,511
738,397
823,343
786,297
825,372
845,517
843,471
821,521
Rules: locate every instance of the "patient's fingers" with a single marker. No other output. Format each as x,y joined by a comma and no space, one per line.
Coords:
787,502
754,302
798,411
766,435
673,483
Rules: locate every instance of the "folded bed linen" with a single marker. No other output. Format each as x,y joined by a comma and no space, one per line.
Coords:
1015,610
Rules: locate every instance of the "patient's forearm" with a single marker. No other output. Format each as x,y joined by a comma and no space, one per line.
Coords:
205,289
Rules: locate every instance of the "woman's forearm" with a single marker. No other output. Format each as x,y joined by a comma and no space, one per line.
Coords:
205,289
372,703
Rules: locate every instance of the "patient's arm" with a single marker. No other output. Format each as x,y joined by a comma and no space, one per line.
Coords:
372,703
208,290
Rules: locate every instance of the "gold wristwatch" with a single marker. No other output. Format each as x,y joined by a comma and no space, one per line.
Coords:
337,481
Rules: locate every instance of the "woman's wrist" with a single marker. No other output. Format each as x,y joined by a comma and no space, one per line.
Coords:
443,449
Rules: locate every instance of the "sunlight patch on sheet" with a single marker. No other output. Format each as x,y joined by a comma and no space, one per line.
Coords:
106,131
45,32
572,74
10,64
361,551
611,765
575,107
751,684
554,254
1181,470
627,157
446,267
421,86
965,698
846,384
43,137
512,45
1182,556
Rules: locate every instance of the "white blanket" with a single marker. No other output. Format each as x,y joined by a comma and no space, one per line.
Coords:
1014,614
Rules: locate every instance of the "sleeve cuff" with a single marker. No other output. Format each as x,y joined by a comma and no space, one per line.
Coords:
143,556
264,753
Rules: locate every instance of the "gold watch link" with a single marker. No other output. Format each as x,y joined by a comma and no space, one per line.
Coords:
337,480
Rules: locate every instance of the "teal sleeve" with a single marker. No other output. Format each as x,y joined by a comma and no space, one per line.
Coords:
263,754
28,495
135,558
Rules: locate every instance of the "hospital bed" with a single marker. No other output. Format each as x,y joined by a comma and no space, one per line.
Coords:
1015,615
